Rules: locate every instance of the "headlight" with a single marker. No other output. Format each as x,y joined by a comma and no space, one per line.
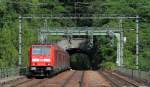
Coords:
33,68
46,60
35,60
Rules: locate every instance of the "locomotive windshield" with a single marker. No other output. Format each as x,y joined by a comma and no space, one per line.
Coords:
40,50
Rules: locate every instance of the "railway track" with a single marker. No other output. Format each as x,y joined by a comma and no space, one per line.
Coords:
69,78
37,82
76,79
117,81
95,79
82,78
26,81
30,83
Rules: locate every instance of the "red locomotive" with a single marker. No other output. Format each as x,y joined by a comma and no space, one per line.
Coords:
47,59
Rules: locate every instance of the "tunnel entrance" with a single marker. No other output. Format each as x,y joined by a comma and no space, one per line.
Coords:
84,59
101,55
80,61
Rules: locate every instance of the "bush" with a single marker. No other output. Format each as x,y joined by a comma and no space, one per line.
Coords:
108,66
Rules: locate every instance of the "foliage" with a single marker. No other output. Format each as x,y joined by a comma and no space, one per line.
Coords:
108,65
105,53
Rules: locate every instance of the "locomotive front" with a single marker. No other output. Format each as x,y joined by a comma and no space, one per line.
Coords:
40,60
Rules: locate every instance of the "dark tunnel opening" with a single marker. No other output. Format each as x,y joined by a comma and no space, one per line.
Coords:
83,59
80,61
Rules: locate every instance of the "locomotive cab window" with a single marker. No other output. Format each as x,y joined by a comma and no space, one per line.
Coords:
40,50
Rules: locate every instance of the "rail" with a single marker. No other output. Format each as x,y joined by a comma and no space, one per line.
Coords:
119,81
135,74
82,78
13,71
67,80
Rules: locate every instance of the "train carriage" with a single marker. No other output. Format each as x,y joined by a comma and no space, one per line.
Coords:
45,60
